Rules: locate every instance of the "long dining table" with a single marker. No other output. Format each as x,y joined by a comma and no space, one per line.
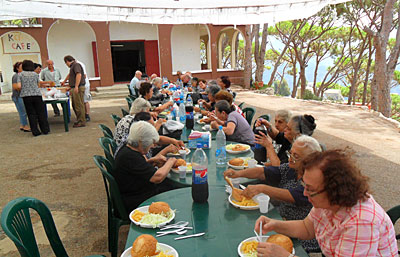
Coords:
224,225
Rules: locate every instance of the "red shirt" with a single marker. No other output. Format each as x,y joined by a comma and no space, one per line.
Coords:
362,230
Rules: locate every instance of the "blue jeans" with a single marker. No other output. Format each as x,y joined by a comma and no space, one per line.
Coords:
19,103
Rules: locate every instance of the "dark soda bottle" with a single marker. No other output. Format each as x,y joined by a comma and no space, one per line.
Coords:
189,113
260,153
199,176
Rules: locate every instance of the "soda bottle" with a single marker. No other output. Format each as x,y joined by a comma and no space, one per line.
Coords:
220,152
189,113
176,96
182,113
260,153
199,176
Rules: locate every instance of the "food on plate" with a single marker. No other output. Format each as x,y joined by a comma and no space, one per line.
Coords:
236,162
161,208
179,162
239,148
249,248
281,240
245,202
137,215
144,245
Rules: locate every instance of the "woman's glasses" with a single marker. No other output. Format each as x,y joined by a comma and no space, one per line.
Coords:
310,192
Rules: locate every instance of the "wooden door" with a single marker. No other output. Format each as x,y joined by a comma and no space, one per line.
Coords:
152,58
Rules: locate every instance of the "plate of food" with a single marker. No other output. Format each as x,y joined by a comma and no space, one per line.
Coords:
152,216
239,163
237,148
177,152
182,162
147,245
245,204
248,247
202,121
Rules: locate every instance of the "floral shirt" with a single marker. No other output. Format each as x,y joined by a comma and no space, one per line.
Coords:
29,83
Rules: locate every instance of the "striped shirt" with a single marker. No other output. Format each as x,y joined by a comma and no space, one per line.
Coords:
362,230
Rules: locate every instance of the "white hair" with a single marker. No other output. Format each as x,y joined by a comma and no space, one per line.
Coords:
308,142
156,80
138,72
139,105
143,132
284,114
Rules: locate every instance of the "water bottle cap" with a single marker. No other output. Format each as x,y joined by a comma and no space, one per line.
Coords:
220,127
199,145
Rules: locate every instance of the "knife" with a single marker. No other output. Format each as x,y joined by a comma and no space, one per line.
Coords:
194,235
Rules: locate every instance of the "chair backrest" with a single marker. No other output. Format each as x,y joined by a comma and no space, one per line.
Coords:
249,114
394,214
109,146
136,91
106,131
115,118
234,95
129,101
129,88
124,112
241,105
115,204
132,97
16,223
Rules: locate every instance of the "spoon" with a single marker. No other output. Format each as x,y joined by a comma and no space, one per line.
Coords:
180,231
236,193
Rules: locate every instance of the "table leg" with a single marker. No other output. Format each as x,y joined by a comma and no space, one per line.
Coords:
65,115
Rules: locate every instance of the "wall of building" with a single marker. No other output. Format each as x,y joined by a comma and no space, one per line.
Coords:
185,48
74,38
132,31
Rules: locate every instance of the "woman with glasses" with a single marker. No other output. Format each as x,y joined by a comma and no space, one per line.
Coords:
345,218
283,184
284,135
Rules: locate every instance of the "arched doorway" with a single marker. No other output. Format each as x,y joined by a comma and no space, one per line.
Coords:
230,49
66,37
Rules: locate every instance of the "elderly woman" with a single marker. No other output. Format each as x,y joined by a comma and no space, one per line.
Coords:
122,129
345,218
224,83
212,90
236,127
146,91
158,92
28,83
284,183
297,126
137,177
19,103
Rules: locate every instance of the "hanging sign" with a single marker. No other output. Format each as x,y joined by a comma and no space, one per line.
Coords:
19,42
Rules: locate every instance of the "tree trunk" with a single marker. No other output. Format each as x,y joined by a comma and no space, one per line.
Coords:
303,80
295,84
261,54
247,57
352,92
364,100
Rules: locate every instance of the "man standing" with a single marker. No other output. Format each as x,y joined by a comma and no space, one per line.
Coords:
51,74
76,78
87,97
134,81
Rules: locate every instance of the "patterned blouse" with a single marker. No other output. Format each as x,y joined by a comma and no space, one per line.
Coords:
29,84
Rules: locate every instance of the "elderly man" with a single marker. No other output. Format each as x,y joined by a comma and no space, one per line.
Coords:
76,78
186,79
283,184
345,219
52,74
135,81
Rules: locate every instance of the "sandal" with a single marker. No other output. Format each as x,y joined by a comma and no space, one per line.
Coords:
26,130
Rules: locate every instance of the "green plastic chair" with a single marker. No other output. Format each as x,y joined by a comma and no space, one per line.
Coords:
129,101
124,112
132,97
265,117
115,118
109,146
136,91
249,114
17,224
106,131
117,214
394,215
130,91
234,95
241,105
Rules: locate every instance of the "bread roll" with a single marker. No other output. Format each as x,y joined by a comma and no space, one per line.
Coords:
281,240
159,208
236,162
144,245
179,162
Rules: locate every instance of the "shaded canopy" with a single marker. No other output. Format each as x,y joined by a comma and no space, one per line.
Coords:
217,12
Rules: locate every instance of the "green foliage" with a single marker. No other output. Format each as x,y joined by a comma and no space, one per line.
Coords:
281,88
395,107
308,95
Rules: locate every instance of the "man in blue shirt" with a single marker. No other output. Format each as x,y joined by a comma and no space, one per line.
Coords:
134,81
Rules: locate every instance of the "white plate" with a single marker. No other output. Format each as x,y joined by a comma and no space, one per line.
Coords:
239,167
145,209
188,169
236,152
165,248
263,239
177,154
211,129
201,122
244,207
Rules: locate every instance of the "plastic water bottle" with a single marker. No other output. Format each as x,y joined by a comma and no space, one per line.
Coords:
199,176
182,113
176,96
174,111
220,152
189,113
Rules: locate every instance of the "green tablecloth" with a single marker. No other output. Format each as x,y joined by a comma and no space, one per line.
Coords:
66,109
225,225
215,172
196,127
